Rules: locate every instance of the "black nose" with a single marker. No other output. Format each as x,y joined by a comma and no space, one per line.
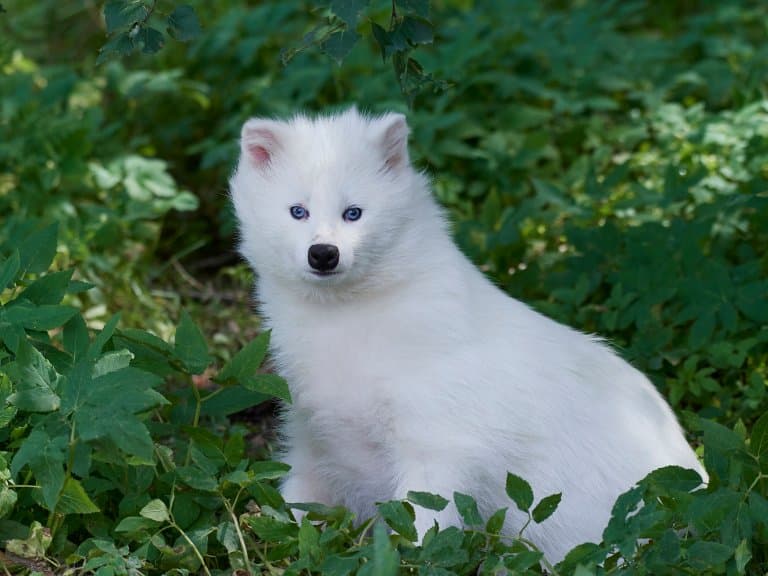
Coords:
323,257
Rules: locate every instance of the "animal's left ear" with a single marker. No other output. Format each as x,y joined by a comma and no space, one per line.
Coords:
393,141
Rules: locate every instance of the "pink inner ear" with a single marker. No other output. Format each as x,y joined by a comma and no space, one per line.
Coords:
259,154
260,144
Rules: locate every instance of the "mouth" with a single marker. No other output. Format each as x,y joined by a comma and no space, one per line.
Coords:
324,274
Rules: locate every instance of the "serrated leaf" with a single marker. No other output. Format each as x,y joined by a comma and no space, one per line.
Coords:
226,534
8,500
36,381
339,45
271,384
519,491
75,500
123,13
183,24
39,318
399,518
673,479
119,45
270,529
247,361
496,521
195,477
417,30
467,508
703,555
136,525
190,346
348,10
428,500
546,507
268,470
155,510
152,40
9,269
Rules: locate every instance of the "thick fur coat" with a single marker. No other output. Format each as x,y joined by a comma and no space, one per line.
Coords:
409,370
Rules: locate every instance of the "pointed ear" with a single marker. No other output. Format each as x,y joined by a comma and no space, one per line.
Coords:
393,141
260,141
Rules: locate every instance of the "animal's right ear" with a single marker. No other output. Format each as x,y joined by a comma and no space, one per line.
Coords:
260,142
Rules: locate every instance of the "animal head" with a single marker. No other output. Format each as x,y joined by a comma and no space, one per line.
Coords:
325,204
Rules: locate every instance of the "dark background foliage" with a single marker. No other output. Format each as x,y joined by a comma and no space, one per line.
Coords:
606,162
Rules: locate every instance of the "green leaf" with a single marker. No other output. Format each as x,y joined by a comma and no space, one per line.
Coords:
400,518
701,330
673,479
9,270
36,381
94,350
758,442
152,40
271,384
742,556
74,499
38,249
703,555
190,345
75,337
428,500
48,289
268,470
40,318
348,10
136,525
386,559
155,510
272,530
34,546
8,500
183,24
112,362
247,361
231,400
309,538
45,456
467,508
519,491
546,507
120,14
496,521
339,45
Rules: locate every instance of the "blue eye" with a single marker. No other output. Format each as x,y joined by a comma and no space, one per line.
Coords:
299,212
352,213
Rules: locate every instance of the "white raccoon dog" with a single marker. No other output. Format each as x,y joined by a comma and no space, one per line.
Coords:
408,369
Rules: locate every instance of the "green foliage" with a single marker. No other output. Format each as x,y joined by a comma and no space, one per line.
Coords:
605,161
132,25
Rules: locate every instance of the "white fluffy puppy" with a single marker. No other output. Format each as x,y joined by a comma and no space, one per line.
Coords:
409,370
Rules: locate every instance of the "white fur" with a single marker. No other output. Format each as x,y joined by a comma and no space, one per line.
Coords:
409,370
